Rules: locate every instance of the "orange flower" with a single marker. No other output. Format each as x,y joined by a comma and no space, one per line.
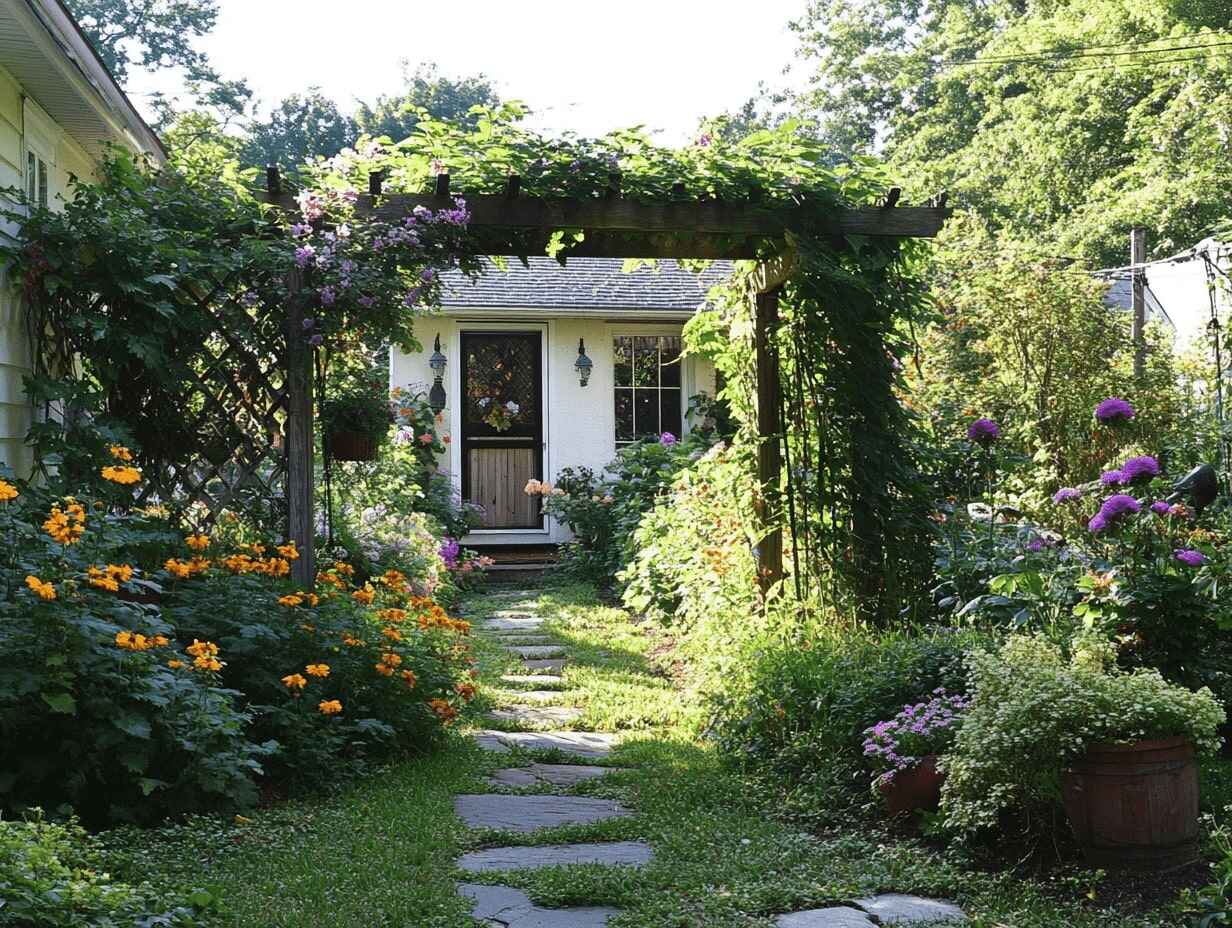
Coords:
392,634
43,589
385,669
291,599
465,690
317,670
329,707
120,453
175,664
408,676
365,596
444,711
124,476
294,681
197,542
7,491
393,660
289,551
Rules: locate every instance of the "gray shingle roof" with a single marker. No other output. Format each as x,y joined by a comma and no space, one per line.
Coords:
585,283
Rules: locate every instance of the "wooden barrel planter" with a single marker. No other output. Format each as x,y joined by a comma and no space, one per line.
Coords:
1135,805
914,789
344,445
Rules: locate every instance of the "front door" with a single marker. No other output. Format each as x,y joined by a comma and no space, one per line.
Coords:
502,426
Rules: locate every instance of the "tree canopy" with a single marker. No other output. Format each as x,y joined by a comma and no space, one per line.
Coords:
298,129
443,98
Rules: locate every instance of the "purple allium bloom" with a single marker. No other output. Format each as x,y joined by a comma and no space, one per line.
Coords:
1143,467
1066,495
1118,505
1160,508
1112,478
1189,556
667,438
983,432
1114,409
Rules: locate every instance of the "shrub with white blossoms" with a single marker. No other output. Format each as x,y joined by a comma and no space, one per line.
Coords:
1033,710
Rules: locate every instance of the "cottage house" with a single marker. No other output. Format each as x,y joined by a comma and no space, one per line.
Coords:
548,367
59,110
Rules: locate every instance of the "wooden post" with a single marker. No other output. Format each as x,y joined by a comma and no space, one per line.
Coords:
1137,258
300,444
769,455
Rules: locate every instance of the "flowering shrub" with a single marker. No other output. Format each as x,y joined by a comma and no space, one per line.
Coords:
1033,708
51,876
920,729
581,500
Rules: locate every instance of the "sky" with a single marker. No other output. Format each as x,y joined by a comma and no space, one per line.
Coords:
584,66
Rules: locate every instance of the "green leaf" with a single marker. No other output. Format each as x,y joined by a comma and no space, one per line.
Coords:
133,725
61,702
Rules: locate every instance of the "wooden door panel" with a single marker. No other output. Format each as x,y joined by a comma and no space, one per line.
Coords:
497,483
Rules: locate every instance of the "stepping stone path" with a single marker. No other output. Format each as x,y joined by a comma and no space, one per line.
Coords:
520,631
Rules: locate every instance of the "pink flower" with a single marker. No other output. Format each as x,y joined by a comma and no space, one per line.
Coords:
427,438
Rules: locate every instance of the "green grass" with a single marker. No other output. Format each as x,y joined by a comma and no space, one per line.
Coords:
380,852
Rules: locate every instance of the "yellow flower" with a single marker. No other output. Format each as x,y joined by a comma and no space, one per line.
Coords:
197,542
385,669
317,670
351,641
365,596
393,660
43,589
289,551
205,655
133,641
392,616
66,525
7,491
290,600
313,599
161,641
102,580
175,664
120,453
392,634
294,681
123,475
330,707
177,568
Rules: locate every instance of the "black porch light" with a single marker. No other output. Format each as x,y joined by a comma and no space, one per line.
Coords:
583,365
436,396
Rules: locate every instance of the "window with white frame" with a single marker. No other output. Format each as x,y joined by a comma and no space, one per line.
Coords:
649,388
36,179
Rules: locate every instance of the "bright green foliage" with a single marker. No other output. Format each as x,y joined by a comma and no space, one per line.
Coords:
1041,117
1034,708
299,129
427,92
51,876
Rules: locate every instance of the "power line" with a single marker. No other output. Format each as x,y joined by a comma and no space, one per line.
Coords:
1137,64
1091,51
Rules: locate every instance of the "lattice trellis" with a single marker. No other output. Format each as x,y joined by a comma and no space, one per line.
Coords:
231,453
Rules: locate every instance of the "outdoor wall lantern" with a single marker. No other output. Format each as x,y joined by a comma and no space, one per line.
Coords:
583,365
436,396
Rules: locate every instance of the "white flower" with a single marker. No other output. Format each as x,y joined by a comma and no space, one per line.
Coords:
513,408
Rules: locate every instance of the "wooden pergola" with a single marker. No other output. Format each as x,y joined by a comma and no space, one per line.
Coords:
612,226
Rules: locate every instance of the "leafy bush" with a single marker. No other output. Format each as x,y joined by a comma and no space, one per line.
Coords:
361,408
51,877
1033,708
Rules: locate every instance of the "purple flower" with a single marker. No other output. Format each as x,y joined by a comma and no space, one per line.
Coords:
667,438
367,302
308,323
1189,556
304,255
316,340
1114,409
1143,467
300,229
428,275
328,295
983,432
449,552
704,140
1160,508
1112,478
1097,524
1066,495
1119,505
1035,545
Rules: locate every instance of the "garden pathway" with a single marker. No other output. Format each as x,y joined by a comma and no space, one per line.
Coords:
536,727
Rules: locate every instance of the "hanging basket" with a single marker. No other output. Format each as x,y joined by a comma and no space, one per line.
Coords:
345,445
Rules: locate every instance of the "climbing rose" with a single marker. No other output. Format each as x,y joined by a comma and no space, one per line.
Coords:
1160,508
1114,409
667,438
1189,556
1066,495
1143,467
983,432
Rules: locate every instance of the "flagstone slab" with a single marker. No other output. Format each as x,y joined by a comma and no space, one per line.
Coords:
550,665
536,651
515,613
511,908
541,716
614,854
525,814
900,909
553,774
836,916
535,679
581,743
517,639
513,625
540,697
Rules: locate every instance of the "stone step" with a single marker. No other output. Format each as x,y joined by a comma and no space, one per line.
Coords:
525,613
580,743
525,814
542,716
512,625
533,679
540,697
506,907
536,651
887,909
615,854
549,665
551,774
517,639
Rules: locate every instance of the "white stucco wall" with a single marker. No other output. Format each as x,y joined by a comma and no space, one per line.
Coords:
579,422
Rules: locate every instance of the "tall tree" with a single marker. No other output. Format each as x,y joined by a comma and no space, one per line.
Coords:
156,35
300,128
1065,122
442,97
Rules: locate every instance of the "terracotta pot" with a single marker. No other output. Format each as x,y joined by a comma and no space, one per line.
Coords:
1135,805
914,789
344,445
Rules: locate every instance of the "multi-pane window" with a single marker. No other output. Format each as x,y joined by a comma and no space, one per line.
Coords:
649,397
36,179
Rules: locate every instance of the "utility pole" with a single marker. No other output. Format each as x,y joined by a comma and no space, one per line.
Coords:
1137,258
